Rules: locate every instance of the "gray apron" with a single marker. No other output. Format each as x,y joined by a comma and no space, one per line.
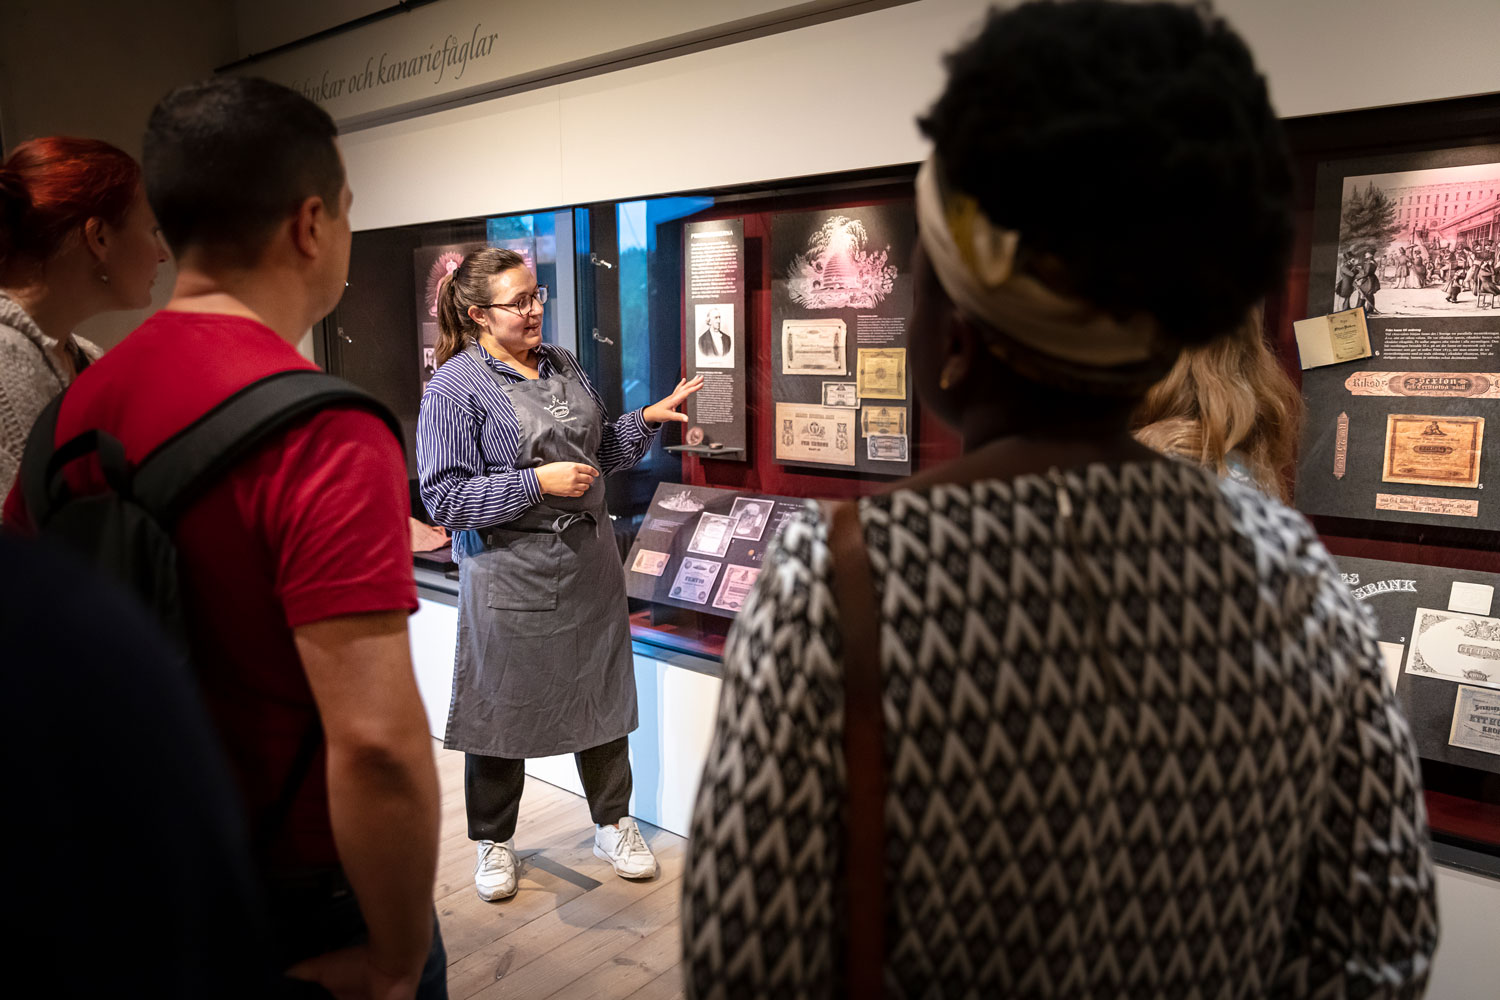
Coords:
544,664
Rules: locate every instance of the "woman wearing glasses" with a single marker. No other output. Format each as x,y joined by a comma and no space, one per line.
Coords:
510,442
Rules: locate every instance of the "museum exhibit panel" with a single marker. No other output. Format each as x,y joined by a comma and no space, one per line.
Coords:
1389,320
793,300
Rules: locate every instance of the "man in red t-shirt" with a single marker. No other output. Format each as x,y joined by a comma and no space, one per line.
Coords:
295,566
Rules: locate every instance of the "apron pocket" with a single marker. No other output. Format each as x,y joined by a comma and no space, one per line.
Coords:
524,571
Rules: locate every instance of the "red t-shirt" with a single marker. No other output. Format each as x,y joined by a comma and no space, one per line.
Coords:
311,526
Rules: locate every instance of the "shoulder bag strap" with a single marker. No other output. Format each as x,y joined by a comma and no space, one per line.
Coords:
864,755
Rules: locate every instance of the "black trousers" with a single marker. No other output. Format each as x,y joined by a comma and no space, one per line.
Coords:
492,788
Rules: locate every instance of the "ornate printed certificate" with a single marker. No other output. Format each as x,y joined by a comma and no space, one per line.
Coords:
806,433
841,394
750,517
695,580
713,535
1440,385
1476,720
882,420
1452,646
887,447
813,347
649,562
1432,451
882,372
736,586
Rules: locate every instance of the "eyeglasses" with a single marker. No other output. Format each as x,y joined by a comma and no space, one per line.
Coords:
522,304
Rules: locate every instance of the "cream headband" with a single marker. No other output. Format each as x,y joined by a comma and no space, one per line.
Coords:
974,261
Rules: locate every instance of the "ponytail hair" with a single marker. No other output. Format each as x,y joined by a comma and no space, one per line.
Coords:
50,187
467,286
1227,399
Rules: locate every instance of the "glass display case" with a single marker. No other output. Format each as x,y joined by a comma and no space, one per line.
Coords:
1398,228
793,301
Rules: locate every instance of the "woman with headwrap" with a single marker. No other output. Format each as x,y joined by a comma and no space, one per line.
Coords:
1127,732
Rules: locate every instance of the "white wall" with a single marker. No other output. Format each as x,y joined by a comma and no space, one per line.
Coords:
843,95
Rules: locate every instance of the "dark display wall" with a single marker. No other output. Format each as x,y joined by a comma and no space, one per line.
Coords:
1432,549
930,442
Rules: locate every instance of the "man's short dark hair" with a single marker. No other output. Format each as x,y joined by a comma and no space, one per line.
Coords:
228,158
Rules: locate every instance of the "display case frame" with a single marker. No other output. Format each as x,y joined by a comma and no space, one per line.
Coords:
1463,802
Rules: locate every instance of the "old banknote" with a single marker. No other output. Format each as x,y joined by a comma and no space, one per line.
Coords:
1476,720
695,580
649,562
882,420
887,447
806,433
1433,451
882,373
813,347
713,535
844,394
736,586
1457,647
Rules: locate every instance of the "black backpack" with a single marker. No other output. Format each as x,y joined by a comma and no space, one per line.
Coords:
126,531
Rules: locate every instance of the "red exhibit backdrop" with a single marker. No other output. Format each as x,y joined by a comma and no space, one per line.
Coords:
932,442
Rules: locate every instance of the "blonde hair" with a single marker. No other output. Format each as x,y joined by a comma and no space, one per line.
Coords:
468,285
1230,396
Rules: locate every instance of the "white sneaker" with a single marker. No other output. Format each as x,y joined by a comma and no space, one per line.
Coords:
623,846
495,874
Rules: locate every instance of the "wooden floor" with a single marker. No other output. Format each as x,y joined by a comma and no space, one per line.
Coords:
574,928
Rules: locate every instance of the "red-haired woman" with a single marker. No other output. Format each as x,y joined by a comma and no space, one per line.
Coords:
77,238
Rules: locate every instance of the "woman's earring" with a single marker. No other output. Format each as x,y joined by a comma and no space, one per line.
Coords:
953,372
104,277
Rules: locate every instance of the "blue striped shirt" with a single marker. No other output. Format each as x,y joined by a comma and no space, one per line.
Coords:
468,439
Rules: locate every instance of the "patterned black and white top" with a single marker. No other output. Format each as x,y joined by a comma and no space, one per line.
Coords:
1138,742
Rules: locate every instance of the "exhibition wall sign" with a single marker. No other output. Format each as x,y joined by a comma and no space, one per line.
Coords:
438,52
713,283
1399,408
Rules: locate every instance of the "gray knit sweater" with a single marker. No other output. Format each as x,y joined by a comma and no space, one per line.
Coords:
29,378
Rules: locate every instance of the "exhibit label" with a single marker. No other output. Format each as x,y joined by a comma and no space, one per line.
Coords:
1433,385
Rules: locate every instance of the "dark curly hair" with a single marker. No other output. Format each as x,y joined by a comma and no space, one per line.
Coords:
1118,139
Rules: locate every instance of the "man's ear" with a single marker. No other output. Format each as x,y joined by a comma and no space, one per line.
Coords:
308,223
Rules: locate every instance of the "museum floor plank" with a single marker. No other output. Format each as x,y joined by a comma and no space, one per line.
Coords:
574,928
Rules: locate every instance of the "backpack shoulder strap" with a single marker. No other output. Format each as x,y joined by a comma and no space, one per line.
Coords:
41,444
178,470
